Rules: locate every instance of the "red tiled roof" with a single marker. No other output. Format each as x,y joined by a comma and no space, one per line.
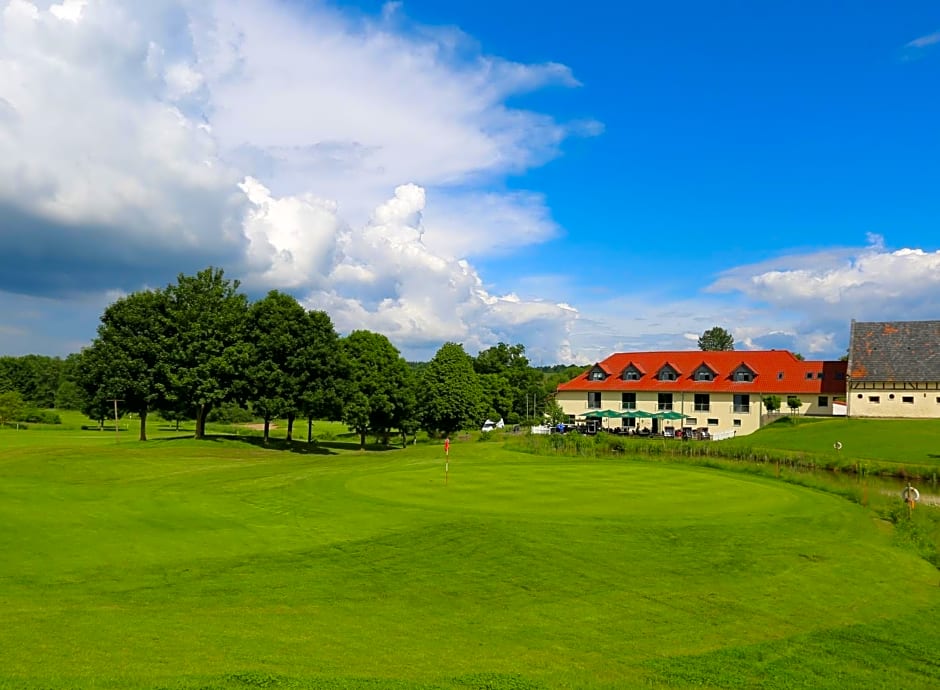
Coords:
775,371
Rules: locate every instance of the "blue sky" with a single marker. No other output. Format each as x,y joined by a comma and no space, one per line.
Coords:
582,179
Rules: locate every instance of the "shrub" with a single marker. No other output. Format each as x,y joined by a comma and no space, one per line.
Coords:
34,415
230,413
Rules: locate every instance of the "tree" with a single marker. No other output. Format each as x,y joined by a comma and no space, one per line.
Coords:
207,354
450,392
556,414
11,405
93,376
715,339
276,326
379,386
498,395
131,351
69,395
794,403
322,373
771,403
35,377
525,383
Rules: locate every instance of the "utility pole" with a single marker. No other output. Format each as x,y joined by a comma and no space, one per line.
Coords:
116,401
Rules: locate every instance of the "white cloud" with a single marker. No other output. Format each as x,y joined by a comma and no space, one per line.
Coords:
385,278
924,41
138,140
919,47
866,283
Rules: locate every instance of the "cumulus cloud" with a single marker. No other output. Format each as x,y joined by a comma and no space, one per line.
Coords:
385,278
139,140
820,292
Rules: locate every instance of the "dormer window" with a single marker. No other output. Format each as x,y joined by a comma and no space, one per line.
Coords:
667,373
704,373
742,374
596,375
631,373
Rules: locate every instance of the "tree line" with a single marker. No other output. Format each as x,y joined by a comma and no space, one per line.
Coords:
199,345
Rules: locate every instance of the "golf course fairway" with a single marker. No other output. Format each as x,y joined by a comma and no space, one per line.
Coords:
178,564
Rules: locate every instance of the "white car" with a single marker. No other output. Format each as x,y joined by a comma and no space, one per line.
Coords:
489,425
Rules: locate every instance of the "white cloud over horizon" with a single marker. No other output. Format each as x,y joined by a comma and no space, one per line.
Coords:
268,139
359,163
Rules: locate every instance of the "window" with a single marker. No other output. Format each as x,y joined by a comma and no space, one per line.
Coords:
874,399
780,376
737,422
712,421
840,376
819,375
594,401
667,374
693,421
631,373
743,374
742,404
907,399
628,423
596,375
823,401
701,402
891,396
665,401
703,373
628,401
938,398
809,375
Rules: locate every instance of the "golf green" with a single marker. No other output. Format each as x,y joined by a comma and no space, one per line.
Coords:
219,564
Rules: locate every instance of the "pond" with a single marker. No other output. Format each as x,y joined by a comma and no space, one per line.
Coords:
887,486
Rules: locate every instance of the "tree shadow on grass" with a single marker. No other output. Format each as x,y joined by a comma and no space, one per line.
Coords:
300,447
279,444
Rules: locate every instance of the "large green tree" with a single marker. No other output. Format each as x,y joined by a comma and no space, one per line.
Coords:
322,373
207,353
100,388
276,327
509,363
450,393
379,386
716,338
130,353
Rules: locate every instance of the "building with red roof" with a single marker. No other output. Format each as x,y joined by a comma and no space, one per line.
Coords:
720,391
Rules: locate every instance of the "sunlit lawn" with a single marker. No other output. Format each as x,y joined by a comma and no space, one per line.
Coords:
885,441
220,564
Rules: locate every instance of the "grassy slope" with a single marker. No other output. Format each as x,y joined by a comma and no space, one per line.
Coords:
218,564
888,442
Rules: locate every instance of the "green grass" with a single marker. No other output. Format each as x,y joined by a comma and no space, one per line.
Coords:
221,565
893,443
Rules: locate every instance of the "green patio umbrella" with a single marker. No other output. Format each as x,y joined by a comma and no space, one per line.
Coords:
669,414
601,414
636,414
